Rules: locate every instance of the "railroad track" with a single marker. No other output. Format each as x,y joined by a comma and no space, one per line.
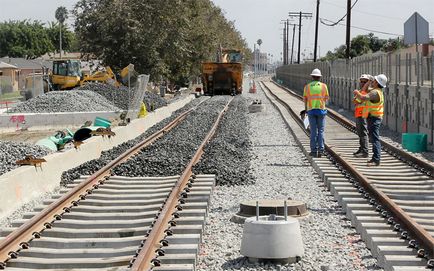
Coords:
392,206
105,222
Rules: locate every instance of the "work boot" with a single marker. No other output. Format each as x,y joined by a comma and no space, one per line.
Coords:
313,154
373,163
361,154
357,152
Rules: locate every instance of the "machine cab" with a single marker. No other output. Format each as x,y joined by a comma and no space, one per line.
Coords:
66,74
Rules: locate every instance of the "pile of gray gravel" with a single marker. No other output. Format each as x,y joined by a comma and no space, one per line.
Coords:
90,167
65,101
169,155
228,154
11,151
122,96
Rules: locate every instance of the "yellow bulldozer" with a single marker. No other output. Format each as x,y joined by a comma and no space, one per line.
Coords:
67,74
225,76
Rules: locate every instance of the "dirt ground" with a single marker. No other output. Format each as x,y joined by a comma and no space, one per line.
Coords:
26,136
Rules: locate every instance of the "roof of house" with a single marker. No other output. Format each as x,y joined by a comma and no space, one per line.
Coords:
22,63
4,65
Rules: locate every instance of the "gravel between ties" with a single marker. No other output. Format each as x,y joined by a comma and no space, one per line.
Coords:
169,155
11,151
228,154
90,167
281,172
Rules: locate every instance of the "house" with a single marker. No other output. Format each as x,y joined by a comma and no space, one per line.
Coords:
8,77
26,67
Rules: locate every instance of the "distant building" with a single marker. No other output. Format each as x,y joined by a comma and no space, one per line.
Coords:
8,77
26,67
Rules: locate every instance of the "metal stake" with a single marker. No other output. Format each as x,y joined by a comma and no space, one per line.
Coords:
285,211
257,210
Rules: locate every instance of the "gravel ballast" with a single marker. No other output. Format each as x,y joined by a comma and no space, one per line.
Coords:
92,166
281,172
228,154
170,155
65,101
11,151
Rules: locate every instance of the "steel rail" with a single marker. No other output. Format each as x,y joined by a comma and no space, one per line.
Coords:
33,228
419,233
147,253
423,166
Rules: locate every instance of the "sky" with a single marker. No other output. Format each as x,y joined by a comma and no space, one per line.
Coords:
261,19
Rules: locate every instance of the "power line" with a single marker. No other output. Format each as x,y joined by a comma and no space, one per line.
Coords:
341,19
300,15
362,28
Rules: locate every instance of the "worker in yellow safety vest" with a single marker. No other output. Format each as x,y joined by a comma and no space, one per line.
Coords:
373,112
315,96
361,125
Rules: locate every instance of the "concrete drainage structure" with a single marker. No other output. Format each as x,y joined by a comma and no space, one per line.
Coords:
256,106
272,238
250,208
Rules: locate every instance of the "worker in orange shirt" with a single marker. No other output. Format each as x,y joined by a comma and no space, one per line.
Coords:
361,124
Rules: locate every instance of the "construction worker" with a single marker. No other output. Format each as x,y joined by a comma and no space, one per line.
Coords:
373,112
361,125
315,96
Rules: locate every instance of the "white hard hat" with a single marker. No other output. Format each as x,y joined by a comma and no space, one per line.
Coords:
381,79
316,72
365,76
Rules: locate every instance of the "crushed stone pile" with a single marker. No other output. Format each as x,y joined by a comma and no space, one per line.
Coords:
65,101
10,152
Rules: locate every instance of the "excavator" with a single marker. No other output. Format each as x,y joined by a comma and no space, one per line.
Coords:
67,74
225,75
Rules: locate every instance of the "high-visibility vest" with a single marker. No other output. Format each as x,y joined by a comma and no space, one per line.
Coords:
359,105
374,109
316,94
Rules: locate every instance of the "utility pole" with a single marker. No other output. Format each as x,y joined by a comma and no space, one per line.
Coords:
316,31
300,15
287,41
284,45
347,51
254,60
293,39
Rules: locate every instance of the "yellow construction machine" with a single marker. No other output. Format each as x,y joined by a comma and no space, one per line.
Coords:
67,74
225,76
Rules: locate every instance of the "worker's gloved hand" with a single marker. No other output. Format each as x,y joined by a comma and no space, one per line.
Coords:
302,113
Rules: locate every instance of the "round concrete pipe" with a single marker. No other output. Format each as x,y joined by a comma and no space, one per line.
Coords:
46,142
84,133
272,238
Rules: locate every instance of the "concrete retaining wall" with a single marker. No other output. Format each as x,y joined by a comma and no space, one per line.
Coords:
44,121
25,184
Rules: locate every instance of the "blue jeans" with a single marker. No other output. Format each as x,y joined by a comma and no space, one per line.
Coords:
317,124
374,124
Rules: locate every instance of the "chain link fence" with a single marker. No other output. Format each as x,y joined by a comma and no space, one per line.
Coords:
136,93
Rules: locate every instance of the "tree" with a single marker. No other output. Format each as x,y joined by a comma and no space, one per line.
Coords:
68,37
24,39
61,15
164,38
